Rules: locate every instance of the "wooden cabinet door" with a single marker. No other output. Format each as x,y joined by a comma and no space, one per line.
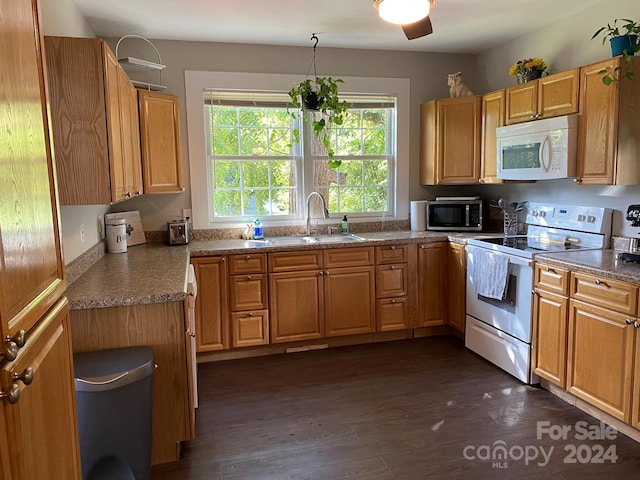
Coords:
161,144
552,278
41,428
33,276
392,280
113,101
598,126
130,136
212,310
550,336
457,286
600,358
493,105
428,173
558,94
349,295
635,403
522,102
458,150
432,284
248,292
296,306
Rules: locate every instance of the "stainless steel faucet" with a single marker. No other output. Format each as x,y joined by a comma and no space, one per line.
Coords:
325,212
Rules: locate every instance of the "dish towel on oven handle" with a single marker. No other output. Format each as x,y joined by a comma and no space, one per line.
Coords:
490,273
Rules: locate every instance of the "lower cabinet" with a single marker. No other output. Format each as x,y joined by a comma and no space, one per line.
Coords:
212,304
163,327
349,298
457,286
38,433
432,284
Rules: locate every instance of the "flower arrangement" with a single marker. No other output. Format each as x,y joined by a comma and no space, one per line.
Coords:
528,67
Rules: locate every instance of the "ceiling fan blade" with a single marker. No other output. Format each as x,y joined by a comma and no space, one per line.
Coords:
418,29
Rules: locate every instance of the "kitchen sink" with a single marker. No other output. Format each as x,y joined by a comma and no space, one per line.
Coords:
313,239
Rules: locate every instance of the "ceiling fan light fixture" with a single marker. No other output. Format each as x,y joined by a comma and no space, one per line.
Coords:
402,12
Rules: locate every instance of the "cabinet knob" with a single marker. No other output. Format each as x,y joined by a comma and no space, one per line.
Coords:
422,247
393,247
577,180
393,301
222,260
248,257
598,281
393,267
248,277
10,351
628,322
250,314
138,192
320,272
481,180
636,324
19,338
128,194
26,376
12,395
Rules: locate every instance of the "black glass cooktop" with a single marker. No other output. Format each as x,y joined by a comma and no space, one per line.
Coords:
530,244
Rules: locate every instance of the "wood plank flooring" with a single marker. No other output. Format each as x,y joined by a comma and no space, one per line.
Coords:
415,409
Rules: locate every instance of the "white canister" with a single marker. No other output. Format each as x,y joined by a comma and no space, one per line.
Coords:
116,232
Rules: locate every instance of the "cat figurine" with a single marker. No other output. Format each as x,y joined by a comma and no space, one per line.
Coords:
456,86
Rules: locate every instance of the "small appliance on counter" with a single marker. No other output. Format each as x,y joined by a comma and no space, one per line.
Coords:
455,214
179,232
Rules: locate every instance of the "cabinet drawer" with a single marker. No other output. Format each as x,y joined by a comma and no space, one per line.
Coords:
348,257
295,261
552,279
392,314
604,292
391,280
248,292
392,254
250,328
248,263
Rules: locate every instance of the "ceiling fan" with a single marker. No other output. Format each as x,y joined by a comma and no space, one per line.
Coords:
411,15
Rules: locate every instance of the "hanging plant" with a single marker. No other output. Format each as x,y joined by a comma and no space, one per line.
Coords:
319,95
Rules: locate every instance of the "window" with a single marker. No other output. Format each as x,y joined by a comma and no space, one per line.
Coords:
250,168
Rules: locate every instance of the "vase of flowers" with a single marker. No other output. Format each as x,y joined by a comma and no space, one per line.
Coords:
528,69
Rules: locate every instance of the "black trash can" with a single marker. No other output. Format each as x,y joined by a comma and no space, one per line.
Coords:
113,398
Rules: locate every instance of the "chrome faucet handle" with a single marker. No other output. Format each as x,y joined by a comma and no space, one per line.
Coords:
331,229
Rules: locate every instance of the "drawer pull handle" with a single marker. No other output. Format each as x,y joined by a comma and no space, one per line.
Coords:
393,247
26,376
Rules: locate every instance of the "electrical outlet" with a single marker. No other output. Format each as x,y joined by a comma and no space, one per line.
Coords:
82,233
186,213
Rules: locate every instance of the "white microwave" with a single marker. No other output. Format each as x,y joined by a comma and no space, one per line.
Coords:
538,150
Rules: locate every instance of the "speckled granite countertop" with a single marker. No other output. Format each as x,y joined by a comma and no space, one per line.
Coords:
597,262
150,273
157,273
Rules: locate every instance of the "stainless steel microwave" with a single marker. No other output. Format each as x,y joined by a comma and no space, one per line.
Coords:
460,214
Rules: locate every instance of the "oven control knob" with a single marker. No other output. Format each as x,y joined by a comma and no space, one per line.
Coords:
581,218
542,213
591,219
534,213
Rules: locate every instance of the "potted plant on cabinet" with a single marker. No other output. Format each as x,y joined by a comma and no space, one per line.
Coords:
319,95
624,41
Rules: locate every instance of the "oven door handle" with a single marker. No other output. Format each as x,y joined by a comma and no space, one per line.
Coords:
523,262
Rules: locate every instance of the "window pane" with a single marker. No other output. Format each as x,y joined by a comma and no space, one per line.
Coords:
375,172
226,203
375,199
255,174
348,142
226,174
253,141
352,170
256,202
283,173
350,199
224,116
224,142
283,201
375,142
280,142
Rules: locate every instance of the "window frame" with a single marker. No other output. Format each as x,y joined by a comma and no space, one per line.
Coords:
196,82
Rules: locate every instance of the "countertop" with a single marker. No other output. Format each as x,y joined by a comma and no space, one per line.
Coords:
596,262
157,273
149,273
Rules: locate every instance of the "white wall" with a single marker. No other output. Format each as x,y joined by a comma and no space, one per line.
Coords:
565,44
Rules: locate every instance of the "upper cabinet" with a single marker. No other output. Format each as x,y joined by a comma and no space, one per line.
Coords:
450,141
493,108
94,122
546,97
609,131
160,139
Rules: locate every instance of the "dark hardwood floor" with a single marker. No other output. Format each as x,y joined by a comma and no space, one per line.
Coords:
416,409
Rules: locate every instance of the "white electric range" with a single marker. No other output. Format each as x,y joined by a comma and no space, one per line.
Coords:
500,329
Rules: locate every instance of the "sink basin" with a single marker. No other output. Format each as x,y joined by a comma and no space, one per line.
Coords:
276,241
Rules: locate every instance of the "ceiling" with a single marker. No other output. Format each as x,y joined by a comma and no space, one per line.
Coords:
460,26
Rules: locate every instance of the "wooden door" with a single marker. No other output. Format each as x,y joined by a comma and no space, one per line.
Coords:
458,150
212,310
41,427
32,270
493,105
428,174
522,102
600,358
349,295
114,124
432,284
250,328
598,126
248,292
130,136
457,286
392,280
550,336
635,403
558,94
296,305
392,314
161,144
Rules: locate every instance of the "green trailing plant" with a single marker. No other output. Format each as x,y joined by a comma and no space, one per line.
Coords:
328,111
629,28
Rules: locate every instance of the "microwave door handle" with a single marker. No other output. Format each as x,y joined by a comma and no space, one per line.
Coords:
546,165
466,215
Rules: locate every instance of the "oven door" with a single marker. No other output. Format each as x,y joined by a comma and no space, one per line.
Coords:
512,314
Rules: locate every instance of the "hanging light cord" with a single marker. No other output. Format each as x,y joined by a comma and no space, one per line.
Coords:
313,60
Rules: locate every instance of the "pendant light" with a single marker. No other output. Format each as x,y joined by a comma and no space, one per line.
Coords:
402,12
